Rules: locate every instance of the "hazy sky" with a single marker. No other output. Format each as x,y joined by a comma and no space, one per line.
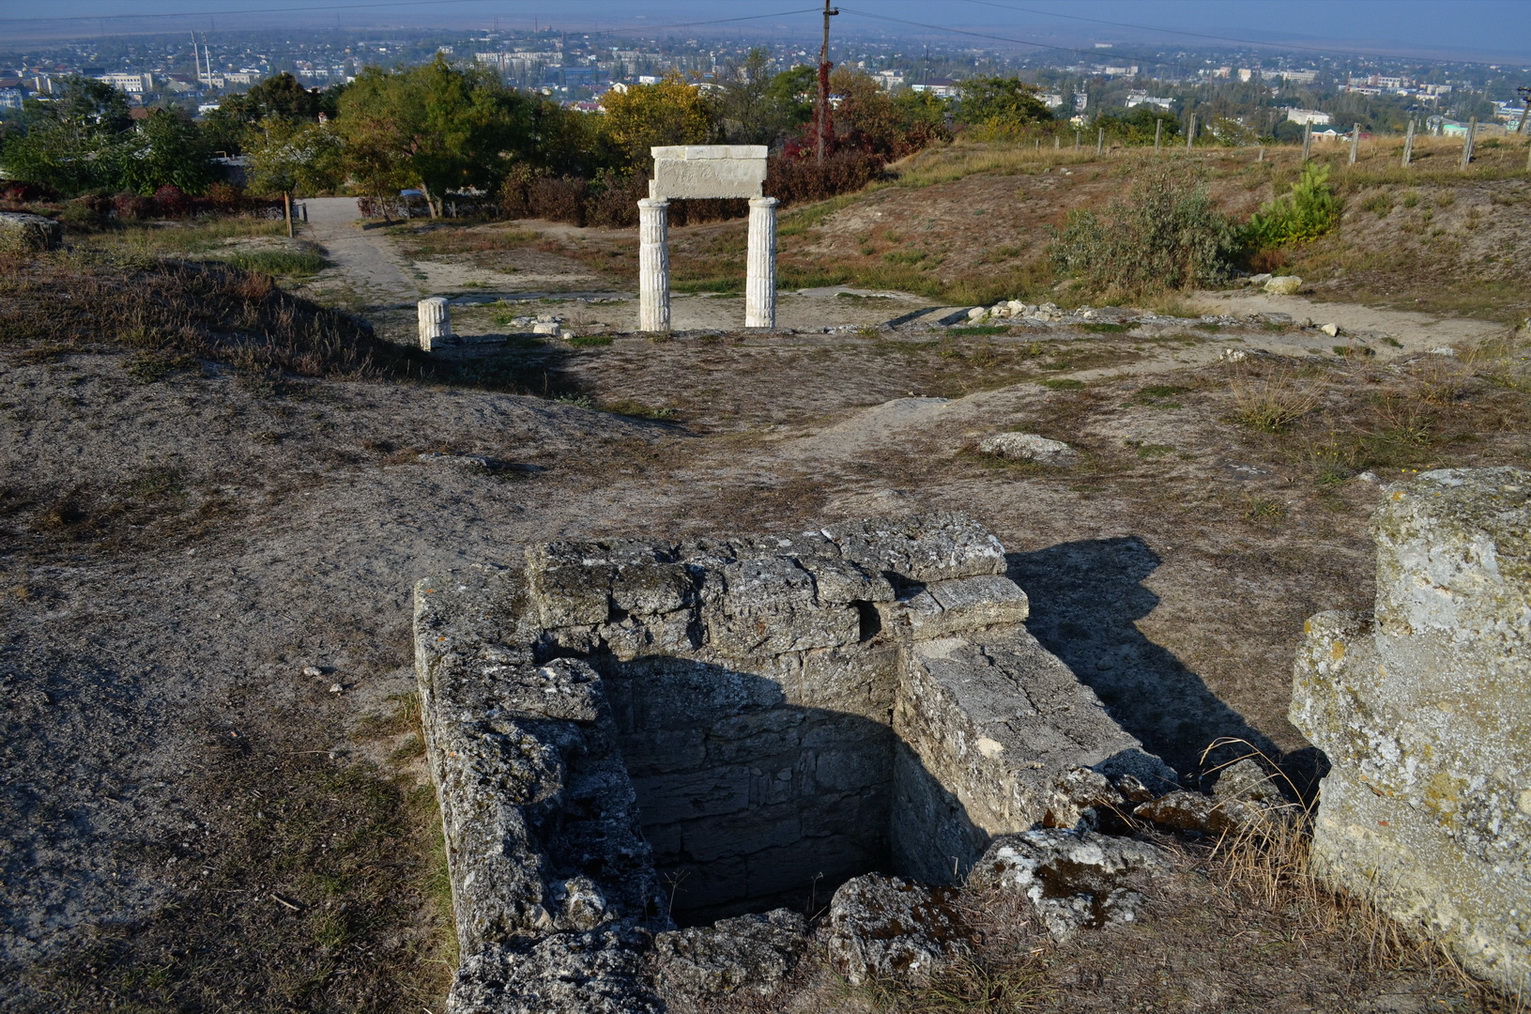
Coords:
1499,29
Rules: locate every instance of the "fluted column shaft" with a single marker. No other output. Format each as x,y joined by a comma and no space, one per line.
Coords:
653,265
760,274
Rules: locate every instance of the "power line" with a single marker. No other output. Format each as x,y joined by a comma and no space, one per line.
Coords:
1195,35
991,37
393,3
249,10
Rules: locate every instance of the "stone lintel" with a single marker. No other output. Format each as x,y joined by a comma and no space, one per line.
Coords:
708,171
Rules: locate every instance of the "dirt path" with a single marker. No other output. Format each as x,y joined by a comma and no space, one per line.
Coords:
369,264
1415,332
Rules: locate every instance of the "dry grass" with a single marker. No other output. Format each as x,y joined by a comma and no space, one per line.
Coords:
299,898
1271,398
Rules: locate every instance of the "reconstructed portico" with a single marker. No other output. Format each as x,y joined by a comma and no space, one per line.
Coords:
706,171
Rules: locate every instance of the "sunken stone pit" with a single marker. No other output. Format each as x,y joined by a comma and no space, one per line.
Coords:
627,736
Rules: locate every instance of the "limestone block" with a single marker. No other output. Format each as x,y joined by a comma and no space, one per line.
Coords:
1029,447
926,548
1424,711
22,232
599,972
882,927
749,954
1283,285
1074,879
1001,720
703,171
766,606
948,607
1196,811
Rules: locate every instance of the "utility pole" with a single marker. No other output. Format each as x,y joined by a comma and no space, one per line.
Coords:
824,122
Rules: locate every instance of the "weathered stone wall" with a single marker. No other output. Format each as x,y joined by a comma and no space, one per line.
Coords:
742,723
1424,709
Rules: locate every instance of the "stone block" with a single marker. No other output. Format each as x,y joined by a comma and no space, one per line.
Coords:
21,232
882,927
964,604
747,954
708,171
666,798
1424,711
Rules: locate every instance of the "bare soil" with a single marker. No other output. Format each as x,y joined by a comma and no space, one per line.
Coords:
191,819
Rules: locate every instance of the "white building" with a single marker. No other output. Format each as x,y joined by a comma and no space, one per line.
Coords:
1312,116
1135,99
133,84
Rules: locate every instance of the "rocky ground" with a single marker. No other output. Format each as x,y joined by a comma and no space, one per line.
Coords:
212,797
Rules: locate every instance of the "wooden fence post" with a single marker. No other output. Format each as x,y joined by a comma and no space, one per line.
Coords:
1190,135
1307,141
1408,143
1355,142
1158,133
1467,142
1100,142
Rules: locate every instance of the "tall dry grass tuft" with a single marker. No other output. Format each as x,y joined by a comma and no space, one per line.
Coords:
1269,861
1271,399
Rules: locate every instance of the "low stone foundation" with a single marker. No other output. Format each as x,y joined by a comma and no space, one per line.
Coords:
1424,709
629,734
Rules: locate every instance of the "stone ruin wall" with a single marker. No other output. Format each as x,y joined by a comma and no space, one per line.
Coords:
622,731
1423,707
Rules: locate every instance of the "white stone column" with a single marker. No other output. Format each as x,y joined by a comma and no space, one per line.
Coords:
435,321
760,274
653,265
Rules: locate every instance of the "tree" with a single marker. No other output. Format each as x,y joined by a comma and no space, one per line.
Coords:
436,127
756,107
165,150
282,96
86,141
1140,124
667,113
288,158
1002,99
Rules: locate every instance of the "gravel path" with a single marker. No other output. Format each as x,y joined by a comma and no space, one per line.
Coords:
361,252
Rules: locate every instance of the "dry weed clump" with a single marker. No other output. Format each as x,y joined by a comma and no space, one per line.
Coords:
1272,398
86,303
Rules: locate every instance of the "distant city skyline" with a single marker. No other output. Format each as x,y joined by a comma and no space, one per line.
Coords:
1489,30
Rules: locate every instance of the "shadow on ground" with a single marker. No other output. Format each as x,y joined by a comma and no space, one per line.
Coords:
1085,597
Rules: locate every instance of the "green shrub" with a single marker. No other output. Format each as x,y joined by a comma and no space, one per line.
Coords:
1306,212
1166,234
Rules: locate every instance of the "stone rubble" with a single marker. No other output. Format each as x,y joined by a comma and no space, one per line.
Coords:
1073,879
882,927
748,953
